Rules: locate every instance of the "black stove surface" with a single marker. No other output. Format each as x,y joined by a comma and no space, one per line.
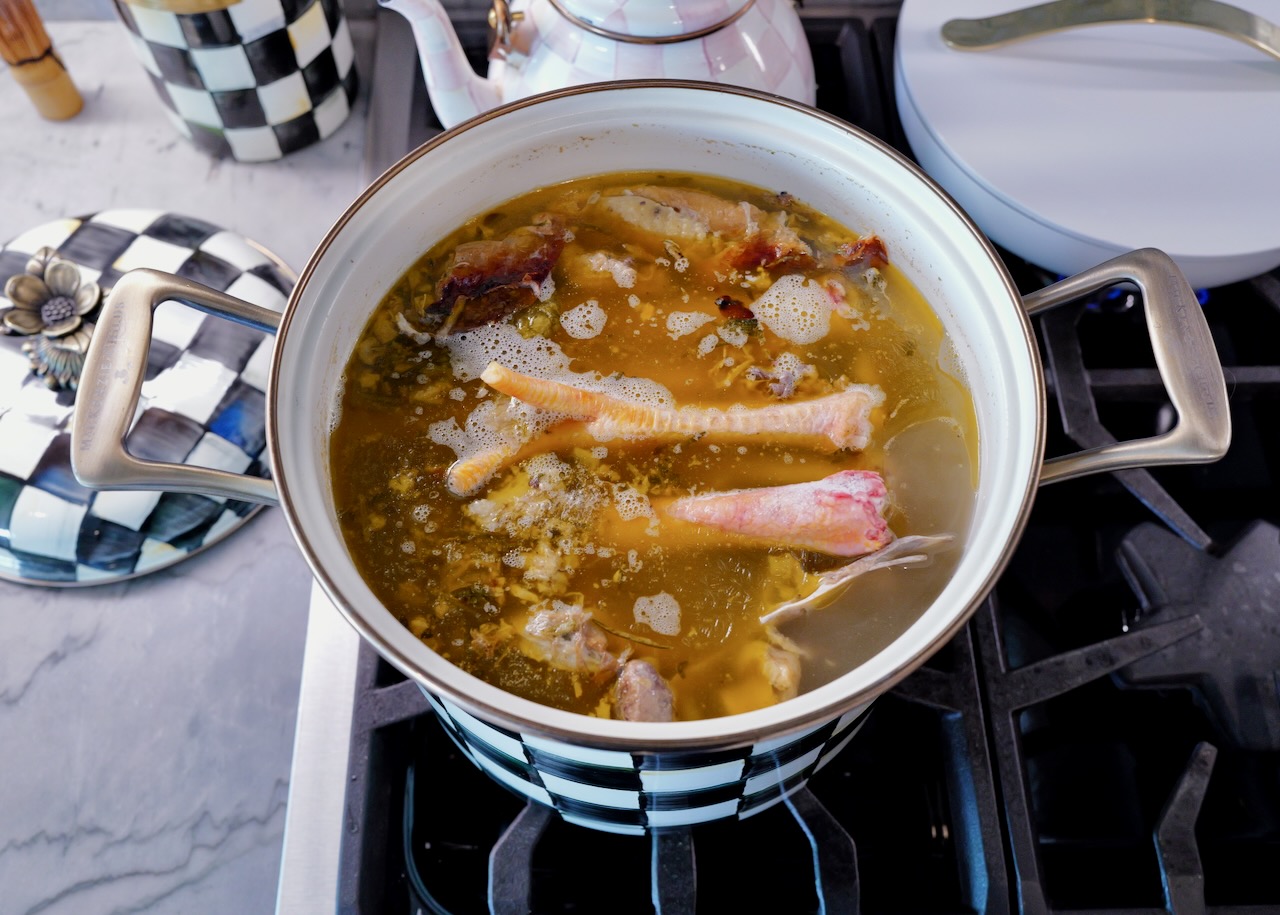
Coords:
1104,736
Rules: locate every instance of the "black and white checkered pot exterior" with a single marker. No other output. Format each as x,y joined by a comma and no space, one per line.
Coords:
637,792
254,81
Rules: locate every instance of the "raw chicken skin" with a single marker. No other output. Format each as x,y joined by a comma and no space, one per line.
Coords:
488,280
642,695
760,238
566,638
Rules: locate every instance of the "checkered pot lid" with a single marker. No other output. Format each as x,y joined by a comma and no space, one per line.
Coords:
202,403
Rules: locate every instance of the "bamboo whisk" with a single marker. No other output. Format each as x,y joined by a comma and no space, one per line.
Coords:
26,48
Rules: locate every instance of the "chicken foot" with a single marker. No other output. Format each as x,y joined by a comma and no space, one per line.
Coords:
842,420
842,515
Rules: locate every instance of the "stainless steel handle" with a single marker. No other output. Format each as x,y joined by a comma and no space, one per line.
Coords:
1223,18
112,379
1185,356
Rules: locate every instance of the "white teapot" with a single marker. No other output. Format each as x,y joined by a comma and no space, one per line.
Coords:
548,44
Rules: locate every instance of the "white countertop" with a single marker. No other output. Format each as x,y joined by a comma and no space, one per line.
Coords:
147,726
121,151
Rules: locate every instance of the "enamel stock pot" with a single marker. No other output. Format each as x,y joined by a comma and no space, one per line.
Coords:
634,776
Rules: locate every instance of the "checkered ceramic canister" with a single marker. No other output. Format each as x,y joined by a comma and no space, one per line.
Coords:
247,79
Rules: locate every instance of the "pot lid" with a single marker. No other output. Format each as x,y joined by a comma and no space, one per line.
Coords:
652,18
1071,147
202,401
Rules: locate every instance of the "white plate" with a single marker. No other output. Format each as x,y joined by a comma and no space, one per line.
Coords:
1072,147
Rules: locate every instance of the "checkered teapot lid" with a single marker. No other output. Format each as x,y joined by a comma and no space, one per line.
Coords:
202,402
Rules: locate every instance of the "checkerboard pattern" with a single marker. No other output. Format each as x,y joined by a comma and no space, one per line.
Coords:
254,81
202,403
634,793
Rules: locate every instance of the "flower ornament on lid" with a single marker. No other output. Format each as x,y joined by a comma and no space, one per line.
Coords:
50,303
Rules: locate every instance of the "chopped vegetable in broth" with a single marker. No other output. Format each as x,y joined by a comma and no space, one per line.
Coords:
654,447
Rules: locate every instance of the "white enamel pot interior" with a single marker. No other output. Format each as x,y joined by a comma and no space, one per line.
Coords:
754,138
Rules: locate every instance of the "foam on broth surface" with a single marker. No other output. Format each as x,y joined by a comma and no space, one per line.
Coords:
646,311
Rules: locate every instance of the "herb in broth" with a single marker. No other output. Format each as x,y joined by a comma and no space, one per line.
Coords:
590,440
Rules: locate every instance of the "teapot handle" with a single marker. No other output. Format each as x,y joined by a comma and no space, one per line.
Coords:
1185,356
503,20
112,380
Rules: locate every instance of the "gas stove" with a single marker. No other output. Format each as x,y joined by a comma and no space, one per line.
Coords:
1104,735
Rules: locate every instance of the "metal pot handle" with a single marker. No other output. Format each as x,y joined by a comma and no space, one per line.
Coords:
1185,355
112,379
113,370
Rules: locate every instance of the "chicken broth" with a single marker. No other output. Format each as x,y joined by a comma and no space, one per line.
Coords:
635,445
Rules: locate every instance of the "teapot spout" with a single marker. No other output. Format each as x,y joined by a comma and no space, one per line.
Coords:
456,92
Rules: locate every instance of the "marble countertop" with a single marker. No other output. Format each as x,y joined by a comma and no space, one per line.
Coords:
147,726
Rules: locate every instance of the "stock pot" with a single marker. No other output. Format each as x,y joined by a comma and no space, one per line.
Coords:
637,776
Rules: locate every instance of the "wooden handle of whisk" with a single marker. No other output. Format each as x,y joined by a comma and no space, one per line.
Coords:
26,48
50,87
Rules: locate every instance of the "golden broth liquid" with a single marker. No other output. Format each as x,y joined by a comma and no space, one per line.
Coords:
466,584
